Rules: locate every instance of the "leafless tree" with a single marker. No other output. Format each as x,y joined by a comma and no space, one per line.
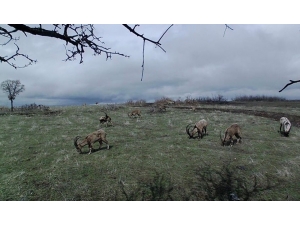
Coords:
12,88
78,38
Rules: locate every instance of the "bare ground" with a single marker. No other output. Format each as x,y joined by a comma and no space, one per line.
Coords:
295,120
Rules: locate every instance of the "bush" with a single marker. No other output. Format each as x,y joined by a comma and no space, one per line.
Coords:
230,183
250,98
158,188
164,100
32,107
140,102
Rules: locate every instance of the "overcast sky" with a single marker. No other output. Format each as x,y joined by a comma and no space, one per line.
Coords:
199,62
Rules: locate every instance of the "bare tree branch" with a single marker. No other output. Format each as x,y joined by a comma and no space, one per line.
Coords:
7,59
226,26
157,43
164,33
143,65
291,82
78,38
81,37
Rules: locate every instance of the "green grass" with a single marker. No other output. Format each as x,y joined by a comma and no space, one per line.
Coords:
151,158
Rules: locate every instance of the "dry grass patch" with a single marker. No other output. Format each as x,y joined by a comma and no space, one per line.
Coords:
151,158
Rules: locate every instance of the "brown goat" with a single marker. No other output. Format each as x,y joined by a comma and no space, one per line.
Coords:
199,127
162,107
170,102
97,136
105,119
135,113
233,130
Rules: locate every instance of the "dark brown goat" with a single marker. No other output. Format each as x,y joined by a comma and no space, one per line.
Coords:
105,119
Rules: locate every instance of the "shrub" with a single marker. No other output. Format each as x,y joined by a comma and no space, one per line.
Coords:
140,102
249,98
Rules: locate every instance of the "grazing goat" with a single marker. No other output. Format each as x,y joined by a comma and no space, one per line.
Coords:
134,113
199,127
193,108
105,119
170,102
233,130
97,136
158,108
286,125
162,107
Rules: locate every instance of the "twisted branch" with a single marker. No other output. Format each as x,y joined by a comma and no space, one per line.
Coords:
291,82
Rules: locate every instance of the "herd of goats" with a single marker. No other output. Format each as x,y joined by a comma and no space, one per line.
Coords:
199,128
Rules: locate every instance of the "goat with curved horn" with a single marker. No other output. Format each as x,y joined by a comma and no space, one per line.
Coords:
97,136
199,127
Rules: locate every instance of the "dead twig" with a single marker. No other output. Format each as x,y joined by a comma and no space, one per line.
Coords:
226,26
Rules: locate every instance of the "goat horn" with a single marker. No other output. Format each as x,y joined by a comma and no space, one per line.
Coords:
188,129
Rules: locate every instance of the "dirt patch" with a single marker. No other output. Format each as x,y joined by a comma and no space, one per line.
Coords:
32,113
295,120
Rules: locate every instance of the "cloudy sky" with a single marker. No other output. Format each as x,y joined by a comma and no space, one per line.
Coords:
199,62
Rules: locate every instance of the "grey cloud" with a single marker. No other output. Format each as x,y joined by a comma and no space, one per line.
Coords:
199,62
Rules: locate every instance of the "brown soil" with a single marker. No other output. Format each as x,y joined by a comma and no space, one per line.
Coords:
295,120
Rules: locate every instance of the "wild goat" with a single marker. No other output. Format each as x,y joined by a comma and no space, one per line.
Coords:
134,113
199,127
193,108
233,130
286,125
105,119
98,135
162,107
170,102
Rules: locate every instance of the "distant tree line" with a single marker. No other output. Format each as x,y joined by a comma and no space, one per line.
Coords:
217,99
251,98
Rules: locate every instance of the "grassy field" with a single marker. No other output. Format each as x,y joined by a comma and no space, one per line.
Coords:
151,158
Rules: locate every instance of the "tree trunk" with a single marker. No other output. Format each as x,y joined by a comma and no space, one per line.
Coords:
11,105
